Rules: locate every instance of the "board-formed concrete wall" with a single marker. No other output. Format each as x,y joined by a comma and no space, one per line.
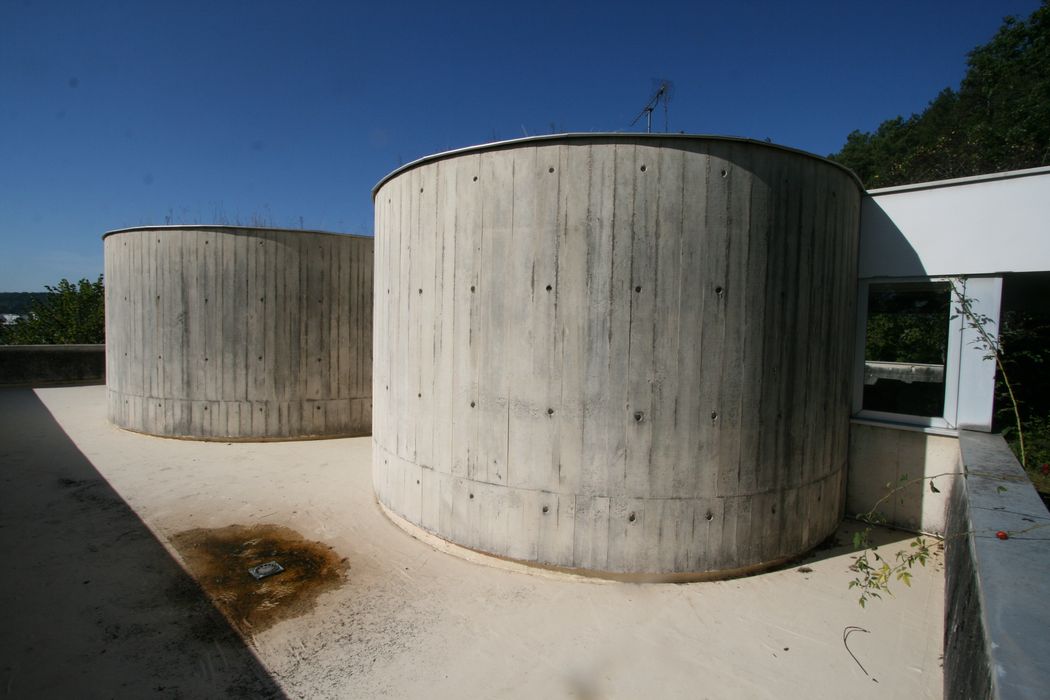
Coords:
624,354
230,333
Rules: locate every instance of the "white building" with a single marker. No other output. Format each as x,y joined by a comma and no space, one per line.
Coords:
937,243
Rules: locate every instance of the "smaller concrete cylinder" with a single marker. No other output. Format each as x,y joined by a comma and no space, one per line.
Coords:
231,333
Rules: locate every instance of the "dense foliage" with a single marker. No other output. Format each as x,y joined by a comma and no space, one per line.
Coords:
69,313
18,302
998,119
1026,356
907,324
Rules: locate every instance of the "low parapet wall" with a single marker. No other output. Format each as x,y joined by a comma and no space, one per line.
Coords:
997,621
34,365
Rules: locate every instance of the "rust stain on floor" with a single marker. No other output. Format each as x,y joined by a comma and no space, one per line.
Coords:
220,558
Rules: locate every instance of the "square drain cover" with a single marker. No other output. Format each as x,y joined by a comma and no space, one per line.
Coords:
263,570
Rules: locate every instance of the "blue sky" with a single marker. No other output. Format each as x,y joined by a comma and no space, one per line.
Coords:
116,114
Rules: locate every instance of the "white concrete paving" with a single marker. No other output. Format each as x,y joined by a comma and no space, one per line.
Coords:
413,621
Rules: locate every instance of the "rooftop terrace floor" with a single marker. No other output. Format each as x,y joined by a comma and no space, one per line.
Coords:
99,527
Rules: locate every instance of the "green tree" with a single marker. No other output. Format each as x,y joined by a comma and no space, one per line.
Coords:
70,313
999,119
18,302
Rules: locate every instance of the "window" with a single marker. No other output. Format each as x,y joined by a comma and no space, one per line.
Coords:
906,348
908,338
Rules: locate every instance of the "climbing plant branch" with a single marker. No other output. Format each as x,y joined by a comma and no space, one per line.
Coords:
874,573
989,343
873,515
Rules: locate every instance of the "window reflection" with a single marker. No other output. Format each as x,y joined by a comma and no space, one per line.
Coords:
906,344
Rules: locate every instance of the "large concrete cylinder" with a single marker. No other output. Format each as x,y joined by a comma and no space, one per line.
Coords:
230,333
621,354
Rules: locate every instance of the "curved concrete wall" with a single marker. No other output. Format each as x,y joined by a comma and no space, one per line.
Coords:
228,333
617,353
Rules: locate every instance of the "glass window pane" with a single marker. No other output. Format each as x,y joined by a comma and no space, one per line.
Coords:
906,345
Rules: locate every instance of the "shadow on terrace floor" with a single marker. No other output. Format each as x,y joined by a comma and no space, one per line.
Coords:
840,543
94,606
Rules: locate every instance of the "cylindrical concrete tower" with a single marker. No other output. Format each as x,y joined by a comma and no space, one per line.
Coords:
617,353
231,333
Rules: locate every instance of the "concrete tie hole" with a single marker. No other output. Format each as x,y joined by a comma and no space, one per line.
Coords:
631,518
546,509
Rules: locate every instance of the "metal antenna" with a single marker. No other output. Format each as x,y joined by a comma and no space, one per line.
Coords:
662,93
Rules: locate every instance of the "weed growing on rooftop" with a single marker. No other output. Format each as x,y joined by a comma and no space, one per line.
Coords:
875,573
